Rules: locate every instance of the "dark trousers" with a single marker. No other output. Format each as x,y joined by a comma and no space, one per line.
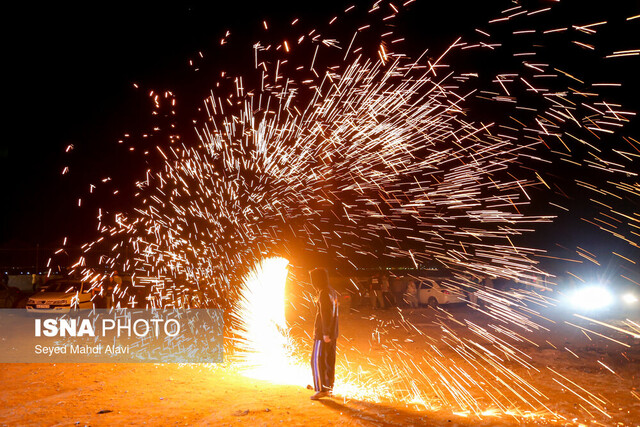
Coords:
323,364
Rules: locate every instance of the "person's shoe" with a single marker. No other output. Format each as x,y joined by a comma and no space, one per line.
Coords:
320,394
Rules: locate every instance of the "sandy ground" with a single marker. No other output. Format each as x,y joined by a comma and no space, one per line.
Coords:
143,394
171,394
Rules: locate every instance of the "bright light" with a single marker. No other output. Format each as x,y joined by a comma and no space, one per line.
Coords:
263,346
629,298
592,298
264,349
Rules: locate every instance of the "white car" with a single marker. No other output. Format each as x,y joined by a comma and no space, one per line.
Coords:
60,296
432,294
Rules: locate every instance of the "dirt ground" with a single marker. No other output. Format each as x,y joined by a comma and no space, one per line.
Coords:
172,394
145,394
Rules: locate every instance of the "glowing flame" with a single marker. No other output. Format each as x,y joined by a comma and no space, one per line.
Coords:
264,348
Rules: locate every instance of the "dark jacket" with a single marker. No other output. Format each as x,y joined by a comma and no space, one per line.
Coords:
326,314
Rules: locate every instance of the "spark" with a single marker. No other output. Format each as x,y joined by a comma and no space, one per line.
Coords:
334,157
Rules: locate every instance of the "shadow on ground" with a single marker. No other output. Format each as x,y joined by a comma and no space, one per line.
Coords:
388,416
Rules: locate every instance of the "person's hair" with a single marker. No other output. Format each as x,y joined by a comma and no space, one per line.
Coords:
319,278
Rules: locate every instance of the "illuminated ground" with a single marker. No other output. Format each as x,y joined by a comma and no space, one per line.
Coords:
178,395
589,362
169,395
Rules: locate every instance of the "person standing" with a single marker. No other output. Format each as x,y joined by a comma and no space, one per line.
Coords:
385,290
375,291
109,298
397,289
36,282
411,295
325,335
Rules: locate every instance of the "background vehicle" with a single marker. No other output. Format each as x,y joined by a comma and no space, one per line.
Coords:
431,293
61,296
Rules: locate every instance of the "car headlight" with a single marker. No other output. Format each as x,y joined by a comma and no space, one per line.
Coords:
629,298
592,298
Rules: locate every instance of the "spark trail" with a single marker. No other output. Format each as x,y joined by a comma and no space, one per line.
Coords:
334,147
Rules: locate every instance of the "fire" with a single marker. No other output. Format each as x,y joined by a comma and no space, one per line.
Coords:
264,348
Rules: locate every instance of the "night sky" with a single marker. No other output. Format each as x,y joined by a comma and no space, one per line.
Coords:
72,66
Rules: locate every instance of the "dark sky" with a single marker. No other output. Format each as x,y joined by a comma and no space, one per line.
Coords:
71,72
71,69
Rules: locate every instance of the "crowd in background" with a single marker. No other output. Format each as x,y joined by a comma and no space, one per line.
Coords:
382,291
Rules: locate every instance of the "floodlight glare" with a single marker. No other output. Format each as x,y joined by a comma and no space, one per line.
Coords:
592,298
629,298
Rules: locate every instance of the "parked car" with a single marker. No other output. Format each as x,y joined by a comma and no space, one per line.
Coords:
431,293
59,296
